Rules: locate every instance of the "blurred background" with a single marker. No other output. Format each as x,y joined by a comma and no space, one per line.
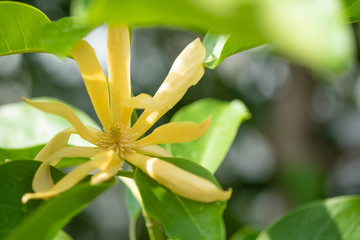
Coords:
301,144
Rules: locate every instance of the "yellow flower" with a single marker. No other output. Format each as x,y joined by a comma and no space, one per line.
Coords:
119,141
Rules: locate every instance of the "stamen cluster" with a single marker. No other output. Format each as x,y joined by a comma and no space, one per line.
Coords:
118,138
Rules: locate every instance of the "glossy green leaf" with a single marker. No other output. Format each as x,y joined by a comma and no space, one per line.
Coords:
182,218
220,46
59,37
229,16
311,32
332,219
351,10
37,219
210,150
23,126
15,180
20,27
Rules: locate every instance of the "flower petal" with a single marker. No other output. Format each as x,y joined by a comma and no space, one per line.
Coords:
177,180
64,111
153,150
140,101
68,152
67,182
176,132
186,71
108,163
60,140
118,52
42,180
94,79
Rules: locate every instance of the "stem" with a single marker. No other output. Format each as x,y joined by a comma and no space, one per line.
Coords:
154,228
132,229
124,173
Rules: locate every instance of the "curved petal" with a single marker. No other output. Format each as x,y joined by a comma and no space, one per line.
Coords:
67,182
152,150
67,152
42,180
176,132
186,71
94,79
118,52
108,163
60,140
177,180
64,111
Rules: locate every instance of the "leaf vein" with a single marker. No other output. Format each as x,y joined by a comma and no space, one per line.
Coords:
22,31
190,215
350,6
7,45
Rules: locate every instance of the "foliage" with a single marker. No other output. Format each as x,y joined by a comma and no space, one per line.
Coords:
210,150
312,33
338,218
201,220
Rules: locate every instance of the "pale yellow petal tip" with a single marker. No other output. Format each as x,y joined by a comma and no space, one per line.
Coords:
226,195
25,99
7,160
205,124
38,195
28,101
100,178
197,42
27,197
214,196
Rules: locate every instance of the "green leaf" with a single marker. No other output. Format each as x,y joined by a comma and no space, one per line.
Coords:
210,150
182,218
20,27
351,10
229,16
31,152
34,220
19,154
15,180
22,125
60,37
220,46
332,219
311,32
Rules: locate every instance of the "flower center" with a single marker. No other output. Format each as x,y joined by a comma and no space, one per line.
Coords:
119,138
